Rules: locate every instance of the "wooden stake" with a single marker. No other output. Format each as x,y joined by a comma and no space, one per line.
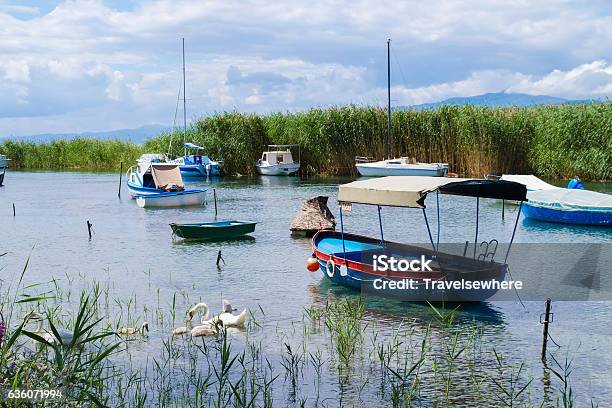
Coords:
89,225
545,323
120,174
220,258
13,209
215,197
503,208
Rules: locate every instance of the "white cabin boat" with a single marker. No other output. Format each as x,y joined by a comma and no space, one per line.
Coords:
278,162
402,166
4,162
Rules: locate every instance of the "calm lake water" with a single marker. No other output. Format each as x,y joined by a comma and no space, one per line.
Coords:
133,251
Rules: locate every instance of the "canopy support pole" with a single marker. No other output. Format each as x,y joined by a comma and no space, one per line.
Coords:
429,231
514,231
342,233
382,236
438,219
476,237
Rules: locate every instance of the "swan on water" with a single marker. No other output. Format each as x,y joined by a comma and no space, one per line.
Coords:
65,337
195,309
180,330
134,330
204,330
229,319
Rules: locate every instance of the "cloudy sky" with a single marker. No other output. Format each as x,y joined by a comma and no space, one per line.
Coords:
79,65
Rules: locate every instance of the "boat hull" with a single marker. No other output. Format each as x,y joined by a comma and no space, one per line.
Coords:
278,169
137,191
381,169
184,198
200,170
602,218
354,268
213,230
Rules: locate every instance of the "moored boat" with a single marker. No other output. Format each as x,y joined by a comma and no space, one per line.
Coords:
197,165
350,259
213,230
141,178
184,198
278,161
4,163
401,166
569,206
530,181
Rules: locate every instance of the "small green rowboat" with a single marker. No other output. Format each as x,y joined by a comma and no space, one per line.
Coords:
213,230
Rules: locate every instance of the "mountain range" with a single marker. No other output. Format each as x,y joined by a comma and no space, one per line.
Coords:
497,99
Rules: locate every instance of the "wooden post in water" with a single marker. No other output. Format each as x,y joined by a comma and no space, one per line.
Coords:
89,225
503,208
13,209
545,323
120,173
220,258
215,197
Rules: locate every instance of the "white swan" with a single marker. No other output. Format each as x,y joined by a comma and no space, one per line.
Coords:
195,309
228,318
133,330
204,330
180,330
65,337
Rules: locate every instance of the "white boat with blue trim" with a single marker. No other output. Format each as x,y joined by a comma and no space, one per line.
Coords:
184,198
154,182
197,165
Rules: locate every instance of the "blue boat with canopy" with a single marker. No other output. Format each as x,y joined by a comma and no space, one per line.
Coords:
569,206
197,165
349,259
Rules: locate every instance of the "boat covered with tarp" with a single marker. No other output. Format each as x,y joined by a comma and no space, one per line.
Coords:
349,259
569,206
154,182
532,182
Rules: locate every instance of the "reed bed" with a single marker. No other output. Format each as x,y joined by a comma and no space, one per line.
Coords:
549,141
335,355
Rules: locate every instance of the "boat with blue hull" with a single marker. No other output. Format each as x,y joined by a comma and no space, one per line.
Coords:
350,260
197,165
154,182
569,206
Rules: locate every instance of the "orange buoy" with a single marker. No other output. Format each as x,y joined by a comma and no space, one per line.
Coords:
312,264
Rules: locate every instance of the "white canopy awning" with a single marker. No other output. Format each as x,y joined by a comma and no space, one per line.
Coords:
397,191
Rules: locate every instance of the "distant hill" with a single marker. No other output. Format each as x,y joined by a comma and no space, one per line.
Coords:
137,135
497,99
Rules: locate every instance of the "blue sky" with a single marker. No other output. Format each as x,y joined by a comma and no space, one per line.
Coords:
79,65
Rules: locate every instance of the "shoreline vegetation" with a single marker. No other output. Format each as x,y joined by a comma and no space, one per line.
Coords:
548,141
432,362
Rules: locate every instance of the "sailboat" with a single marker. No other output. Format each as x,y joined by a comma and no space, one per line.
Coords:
193,165
402,166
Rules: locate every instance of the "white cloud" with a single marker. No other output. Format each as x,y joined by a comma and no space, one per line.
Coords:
87,58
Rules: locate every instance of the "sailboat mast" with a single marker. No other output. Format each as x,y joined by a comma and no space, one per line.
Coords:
388,99
184,104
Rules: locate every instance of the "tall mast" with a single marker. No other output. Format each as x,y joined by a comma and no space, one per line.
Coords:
388,98
185,104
